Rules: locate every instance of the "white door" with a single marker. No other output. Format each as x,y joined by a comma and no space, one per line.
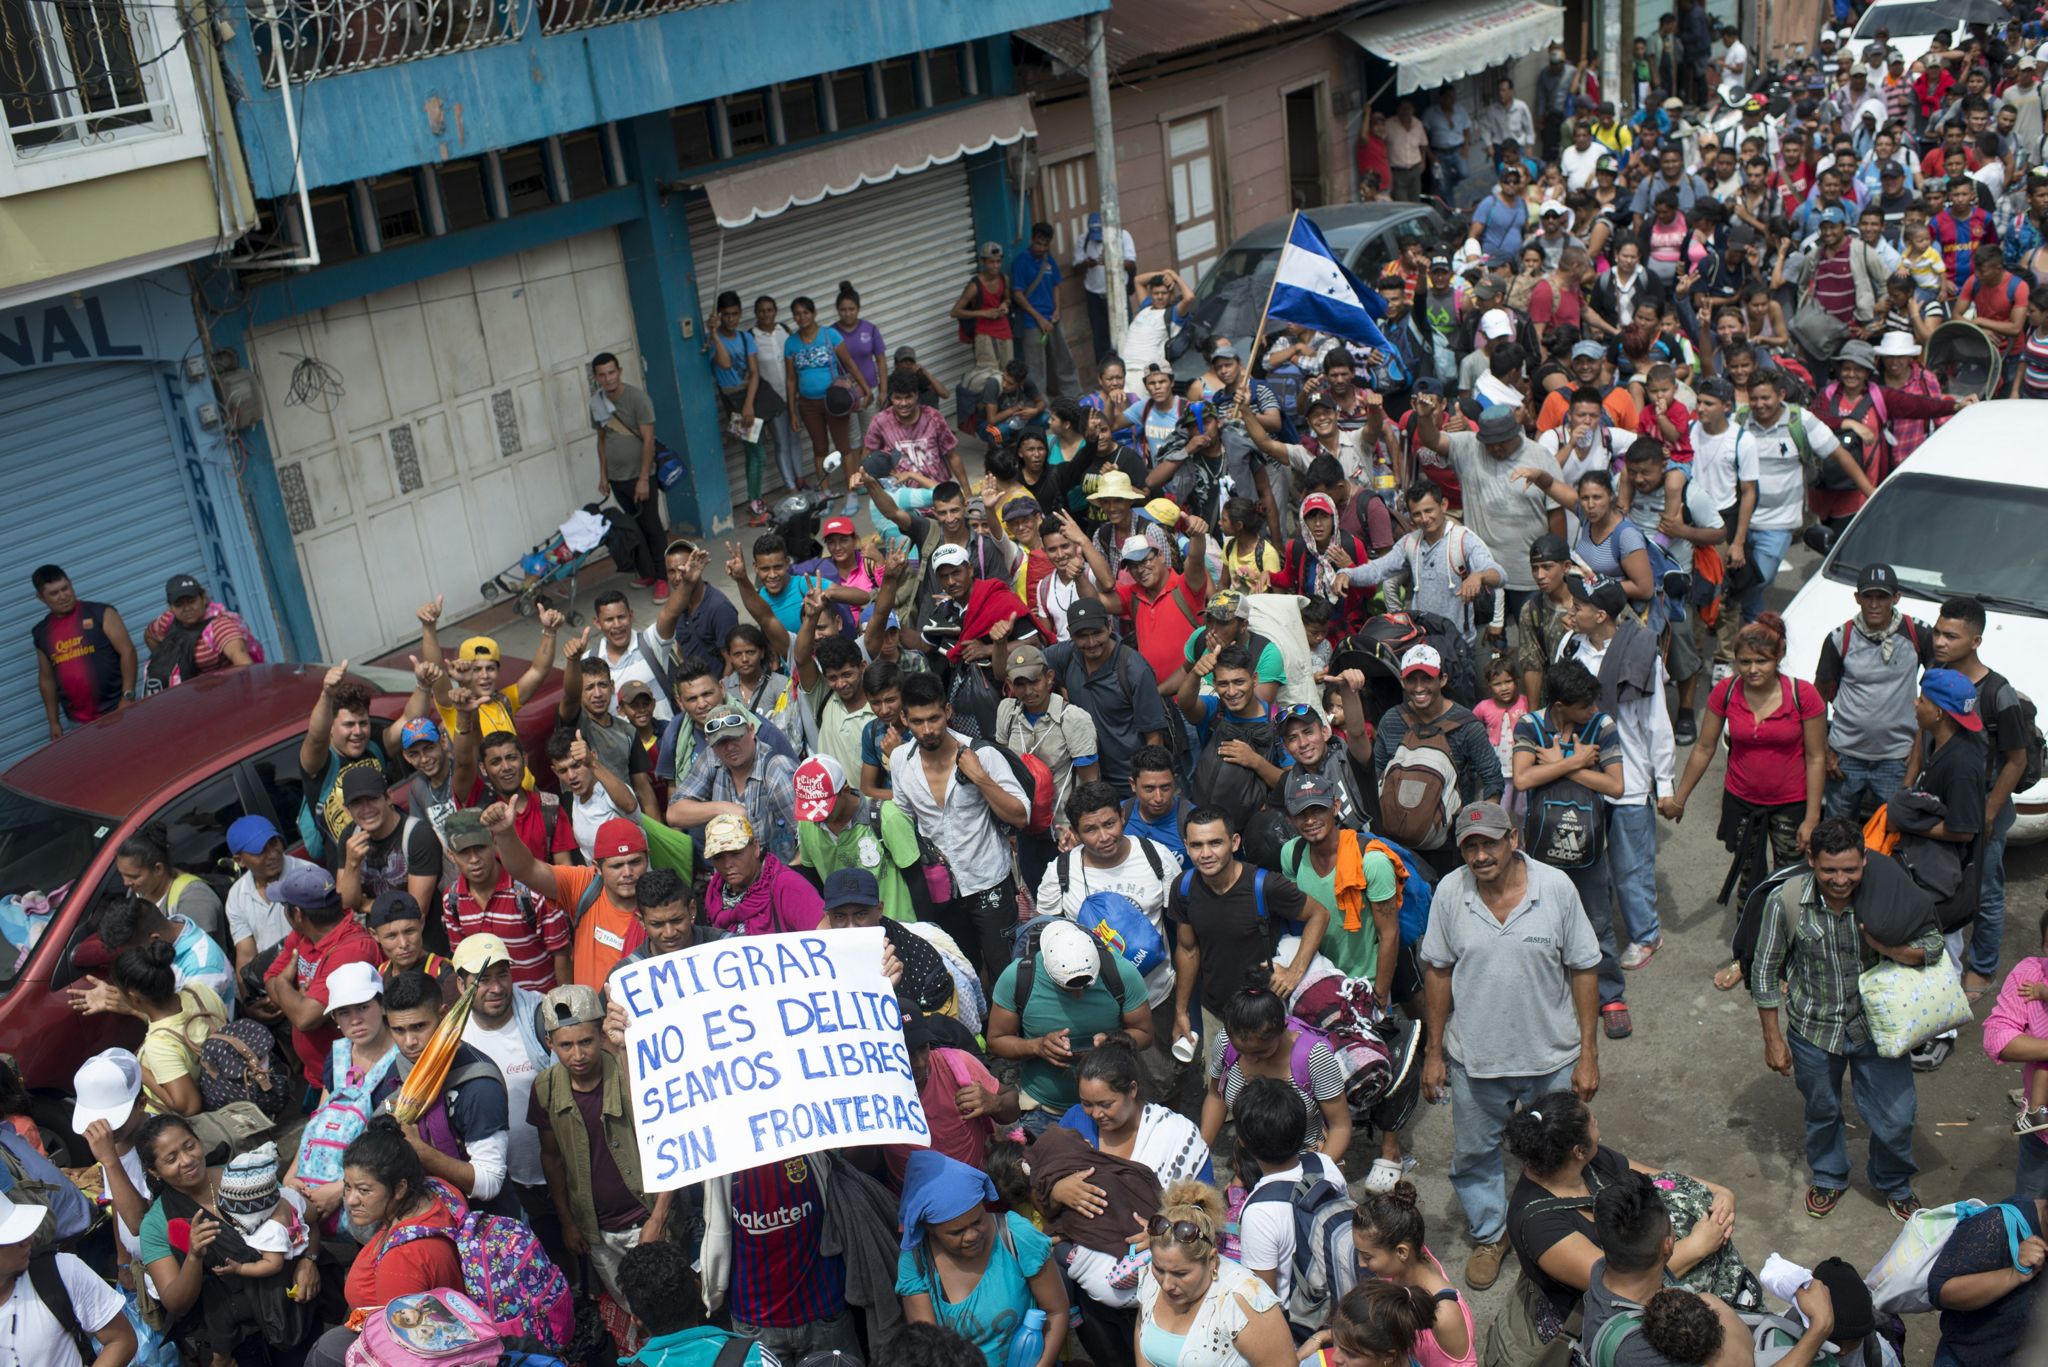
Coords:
428,436
1192,175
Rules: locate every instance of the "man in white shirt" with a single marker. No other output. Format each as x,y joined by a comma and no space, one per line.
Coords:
29,1329
1104,859
1504,119
1781,475
1153,325
1272,1130
769,341
1580,160
640,654
501,1027
257,925
1734,61
594,793
1088,257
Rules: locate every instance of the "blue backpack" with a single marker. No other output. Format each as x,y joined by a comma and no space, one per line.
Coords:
1417,892
1122,924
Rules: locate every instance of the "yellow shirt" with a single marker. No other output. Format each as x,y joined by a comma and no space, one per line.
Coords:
1926,267
495,714
1265,558
170,1050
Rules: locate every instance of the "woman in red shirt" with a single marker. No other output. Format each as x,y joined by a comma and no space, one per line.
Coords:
1861,412
384,1187
1777,757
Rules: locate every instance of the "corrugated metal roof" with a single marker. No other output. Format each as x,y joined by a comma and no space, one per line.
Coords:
1141,29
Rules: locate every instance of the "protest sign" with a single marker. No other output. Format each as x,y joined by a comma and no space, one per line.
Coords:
754,1049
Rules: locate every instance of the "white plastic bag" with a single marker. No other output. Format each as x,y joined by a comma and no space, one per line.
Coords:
1898,1280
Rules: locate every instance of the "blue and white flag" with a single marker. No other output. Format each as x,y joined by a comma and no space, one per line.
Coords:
1312,287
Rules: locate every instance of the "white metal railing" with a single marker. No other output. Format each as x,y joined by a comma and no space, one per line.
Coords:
82,74
560,16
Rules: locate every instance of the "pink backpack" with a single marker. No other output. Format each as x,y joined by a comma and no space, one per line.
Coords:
504,1270
441,1328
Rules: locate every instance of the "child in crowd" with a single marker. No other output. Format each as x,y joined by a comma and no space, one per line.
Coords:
1664,417
1921,258
1502,710
884,684
1246,547
1316,616
2022,1010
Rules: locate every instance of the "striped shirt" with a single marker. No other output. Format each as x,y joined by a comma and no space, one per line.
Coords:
1325,1079
531,926
1817,954
779,1278
222,629
2034,356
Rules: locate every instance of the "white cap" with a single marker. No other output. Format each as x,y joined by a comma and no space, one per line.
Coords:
1496,324
1553,208
352,985
1068,953
1897,344
1135,548
949,554
1422,658
106,1086
19,1223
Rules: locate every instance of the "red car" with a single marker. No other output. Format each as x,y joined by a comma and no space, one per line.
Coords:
194,758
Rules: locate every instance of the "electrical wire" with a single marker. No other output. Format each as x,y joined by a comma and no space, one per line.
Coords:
314,383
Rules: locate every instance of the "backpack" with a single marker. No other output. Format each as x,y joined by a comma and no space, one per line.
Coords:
1898,1279
1236,790
505,1271
1771,1339
440,1328
2030,719
1817,475
1419,796
1565,825
1121,924
1024,953
1306,1038
1034,776
47,1282
1323,1266
1389,636
1410,882
25,1190
1458,556
1907,627
347,1114
240,1061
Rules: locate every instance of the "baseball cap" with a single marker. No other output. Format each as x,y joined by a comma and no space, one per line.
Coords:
906,353
181,587
250,834
1673,102
477,648
1754,104
419,731
574,1004
1483,818
991,248
2026,63
1603,593
616,837
1424,384
1877,578
917,1031
465,830
1714,387
361,782
726,833
725,711
393,904
1068,953
1306,789
307,887
1224,605
1549,549
1165,511
478,952
1020,506
1422,660
1742,235
1496,323
851,888
818,782
1134,549
1890,171
1488,287
949,555
1590,351
352,984
1833,214
19,1222
1086,614
1319,503
1439,263
1608,164
1552,209
1226,347
1497,422
106,1086
1948,690
839,526
1027,662
635,688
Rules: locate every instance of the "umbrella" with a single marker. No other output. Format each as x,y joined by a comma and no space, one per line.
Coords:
422,1086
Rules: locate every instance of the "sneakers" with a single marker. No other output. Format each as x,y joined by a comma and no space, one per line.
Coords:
1903,1208
661,590
757,514
1932,1054
1684,730
2030,1122
1635,956
1821,1201
1677,584
1614,1019
1482,1266
647,581
851,506
1402,1051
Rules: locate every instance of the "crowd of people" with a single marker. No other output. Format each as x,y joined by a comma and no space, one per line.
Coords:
1238,762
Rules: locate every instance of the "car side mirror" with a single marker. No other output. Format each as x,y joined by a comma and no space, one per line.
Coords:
1819,538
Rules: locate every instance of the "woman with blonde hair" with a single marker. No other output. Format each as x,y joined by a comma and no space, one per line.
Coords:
1198,1308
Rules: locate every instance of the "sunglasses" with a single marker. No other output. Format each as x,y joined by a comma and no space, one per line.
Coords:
722,725
1180,1231
1293,712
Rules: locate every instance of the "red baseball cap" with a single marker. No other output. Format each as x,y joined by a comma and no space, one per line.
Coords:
618,836
839,526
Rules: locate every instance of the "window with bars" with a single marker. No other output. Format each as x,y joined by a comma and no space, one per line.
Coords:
79,76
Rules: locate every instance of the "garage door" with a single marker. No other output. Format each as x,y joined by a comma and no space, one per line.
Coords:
97,490
427,436
906,245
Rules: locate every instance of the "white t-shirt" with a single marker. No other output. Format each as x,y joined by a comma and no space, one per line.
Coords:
1266,1230
1145,340
1720,464
636,664
1056,595
1133,878
1781,475
1735,63
506,1047
253,916
1578,167
769,342
587,814
30,1335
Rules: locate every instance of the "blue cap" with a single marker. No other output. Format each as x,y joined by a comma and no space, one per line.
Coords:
1589,350
1833,214
308,887
1948,690
249,834
851,888
417,730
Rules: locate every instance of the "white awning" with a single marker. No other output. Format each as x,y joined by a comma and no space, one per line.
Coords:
765,189
1430,45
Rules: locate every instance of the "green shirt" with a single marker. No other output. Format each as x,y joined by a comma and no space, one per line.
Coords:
1092,1013
1270,666
885,852
1356,953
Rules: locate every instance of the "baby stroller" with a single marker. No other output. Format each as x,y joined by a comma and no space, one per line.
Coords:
585,537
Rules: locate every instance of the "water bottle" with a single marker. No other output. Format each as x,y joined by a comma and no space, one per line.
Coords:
1029,1344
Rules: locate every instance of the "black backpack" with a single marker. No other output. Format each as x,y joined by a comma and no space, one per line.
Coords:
1236,790
1564,826
47,1282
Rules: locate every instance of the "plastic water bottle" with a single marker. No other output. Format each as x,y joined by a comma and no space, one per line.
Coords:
1029,1344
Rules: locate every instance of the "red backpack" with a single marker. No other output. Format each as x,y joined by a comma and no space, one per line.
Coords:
1034,776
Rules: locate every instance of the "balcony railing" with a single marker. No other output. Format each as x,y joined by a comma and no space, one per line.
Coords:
328,37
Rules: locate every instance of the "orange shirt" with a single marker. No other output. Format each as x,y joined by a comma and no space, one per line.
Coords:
604,934
1557,407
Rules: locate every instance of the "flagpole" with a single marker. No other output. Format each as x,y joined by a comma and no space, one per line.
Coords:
1259,338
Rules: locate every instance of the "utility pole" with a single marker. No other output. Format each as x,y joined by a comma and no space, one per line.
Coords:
1115,291
1610,52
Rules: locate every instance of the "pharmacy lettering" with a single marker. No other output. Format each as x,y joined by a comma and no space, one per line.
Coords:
742,1052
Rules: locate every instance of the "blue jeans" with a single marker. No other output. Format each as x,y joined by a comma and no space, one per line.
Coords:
1863,785
1450,170
1767,547
1480,1110
2030,1171
1884,1096
1596,894
1989,933
1632,864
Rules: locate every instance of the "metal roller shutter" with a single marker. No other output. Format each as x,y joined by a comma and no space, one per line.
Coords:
133,531
906,245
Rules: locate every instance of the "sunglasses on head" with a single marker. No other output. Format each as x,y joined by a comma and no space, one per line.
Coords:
1180,1231
1293,711
723,724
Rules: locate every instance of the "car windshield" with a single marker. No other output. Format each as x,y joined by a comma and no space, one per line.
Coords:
43,850
1228,299
1922,19
1984,543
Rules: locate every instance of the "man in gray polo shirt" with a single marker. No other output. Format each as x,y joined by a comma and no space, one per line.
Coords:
1869,672
1508,940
